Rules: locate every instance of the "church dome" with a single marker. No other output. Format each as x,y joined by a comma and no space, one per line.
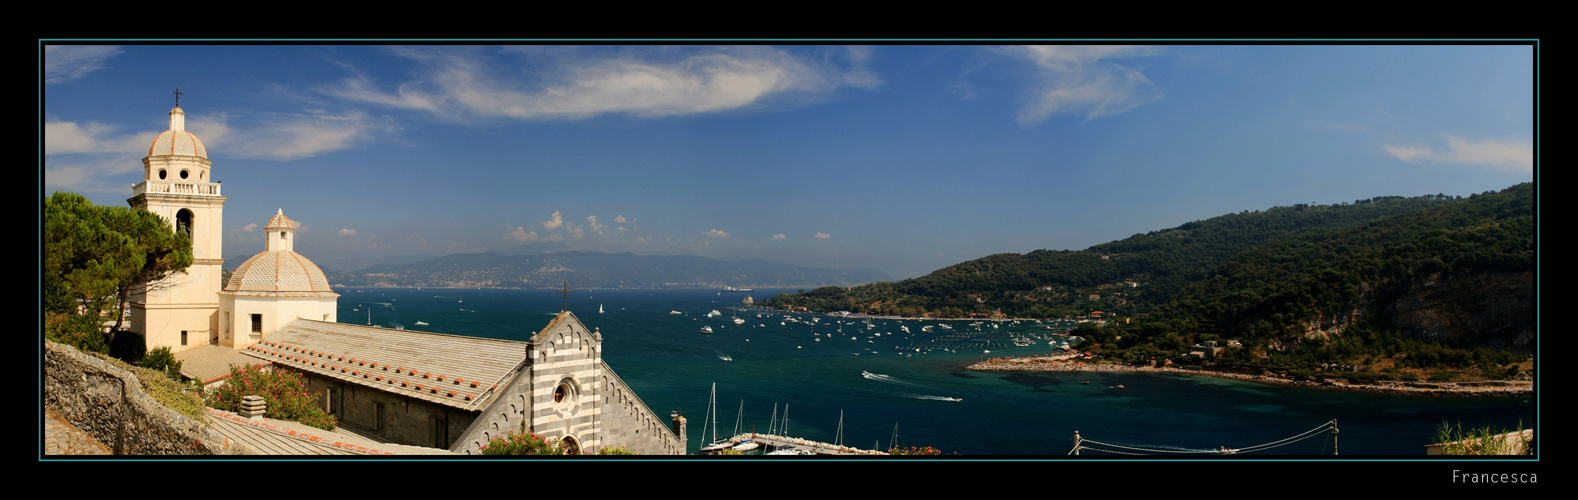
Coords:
177,141
282,272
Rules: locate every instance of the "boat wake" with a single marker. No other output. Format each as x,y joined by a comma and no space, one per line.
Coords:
933,398
885,378
723,356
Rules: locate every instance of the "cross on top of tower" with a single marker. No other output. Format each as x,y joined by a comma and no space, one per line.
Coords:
177,96
566,293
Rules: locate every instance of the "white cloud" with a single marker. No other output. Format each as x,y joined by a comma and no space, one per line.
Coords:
69,62
642,81
716,234
294,136
591,220
823,236
554,222
520,235
780,237
1508,155
347,232
70,137
1083,80
91,175
622,220
1410,154
249,227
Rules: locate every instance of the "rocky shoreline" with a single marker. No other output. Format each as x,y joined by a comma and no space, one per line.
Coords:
1485,388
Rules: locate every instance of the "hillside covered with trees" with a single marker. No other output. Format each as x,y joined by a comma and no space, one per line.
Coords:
1432,282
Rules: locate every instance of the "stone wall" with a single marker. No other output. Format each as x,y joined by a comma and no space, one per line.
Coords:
107,402
627,422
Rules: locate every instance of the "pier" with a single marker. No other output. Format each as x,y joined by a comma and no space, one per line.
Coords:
770,442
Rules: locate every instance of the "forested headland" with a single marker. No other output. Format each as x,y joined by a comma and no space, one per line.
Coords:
1435,286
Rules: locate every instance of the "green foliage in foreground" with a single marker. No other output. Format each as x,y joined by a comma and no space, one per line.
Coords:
529,443
284,393
161,360
614,451
170,393
1482,441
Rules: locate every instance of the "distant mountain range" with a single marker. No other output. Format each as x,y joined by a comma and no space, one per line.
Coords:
598,270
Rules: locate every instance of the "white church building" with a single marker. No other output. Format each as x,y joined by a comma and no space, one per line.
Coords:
419,388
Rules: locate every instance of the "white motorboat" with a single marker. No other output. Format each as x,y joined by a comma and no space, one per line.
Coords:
706,330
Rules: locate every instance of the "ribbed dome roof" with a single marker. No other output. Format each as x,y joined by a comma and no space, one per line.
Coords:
177,141
281,271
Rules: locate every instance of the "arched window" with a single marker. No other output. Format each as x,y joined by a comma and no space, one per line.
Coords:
183,221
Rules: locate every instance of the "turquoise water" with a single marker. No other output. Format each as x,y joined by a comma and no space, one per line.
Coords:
670,365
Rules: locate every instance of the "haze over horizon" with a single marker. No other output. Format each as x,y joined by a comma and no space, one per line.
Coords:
903,158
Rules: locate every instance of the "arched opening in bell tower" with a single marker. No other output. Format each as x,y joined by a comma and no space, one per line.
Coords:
183,221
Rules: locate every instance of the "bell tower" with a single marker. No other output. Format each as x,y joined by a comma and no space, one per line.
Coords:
183,310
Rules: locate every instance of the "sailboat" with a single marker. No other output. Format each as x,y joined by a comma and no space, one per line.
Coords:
599,309
747,444
712,416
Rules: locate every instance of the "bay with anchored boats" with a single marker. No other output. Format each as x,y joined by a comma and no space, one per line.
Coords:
911,379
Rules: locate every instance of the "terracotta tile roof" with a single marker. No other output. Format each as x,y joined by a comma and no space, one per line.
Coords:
405,362
280,221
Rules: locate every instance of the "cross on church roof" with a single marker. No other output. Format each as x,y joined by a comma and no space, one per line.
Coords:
177,96
566,293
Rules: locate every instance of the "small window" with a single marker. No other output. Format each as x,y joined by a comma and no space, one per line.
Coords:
161,174
183,337
282,235
378,416
257,323
183,173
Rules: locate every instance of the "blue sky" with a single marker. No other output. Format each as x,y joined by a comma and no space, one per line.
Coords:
905,158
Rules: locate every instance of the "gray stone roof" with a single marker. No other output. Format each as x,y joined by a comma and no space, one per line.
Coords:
212,362
451,370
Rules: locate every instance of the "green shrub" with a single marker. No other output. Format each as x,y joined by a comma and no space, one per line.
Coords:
160,359
1482,441
76,330
284,393
614,451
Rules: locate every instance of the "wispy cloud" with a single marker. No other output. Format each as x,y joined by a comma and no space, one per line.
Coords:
347,232
716,234
249,227
823,236
780,237
64,63
1507,155
591,221
62,137
644,82
1083,80
294,136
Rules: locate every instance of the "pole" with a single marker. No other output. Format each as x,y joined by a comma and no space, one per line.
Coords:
1076,443
1334,437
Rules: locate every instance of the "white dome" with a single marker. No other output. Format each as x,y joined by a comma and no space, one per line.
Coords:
177,141
281,272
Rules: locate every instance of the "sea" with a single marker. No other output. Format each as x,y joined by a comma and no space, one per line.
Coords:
877,387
